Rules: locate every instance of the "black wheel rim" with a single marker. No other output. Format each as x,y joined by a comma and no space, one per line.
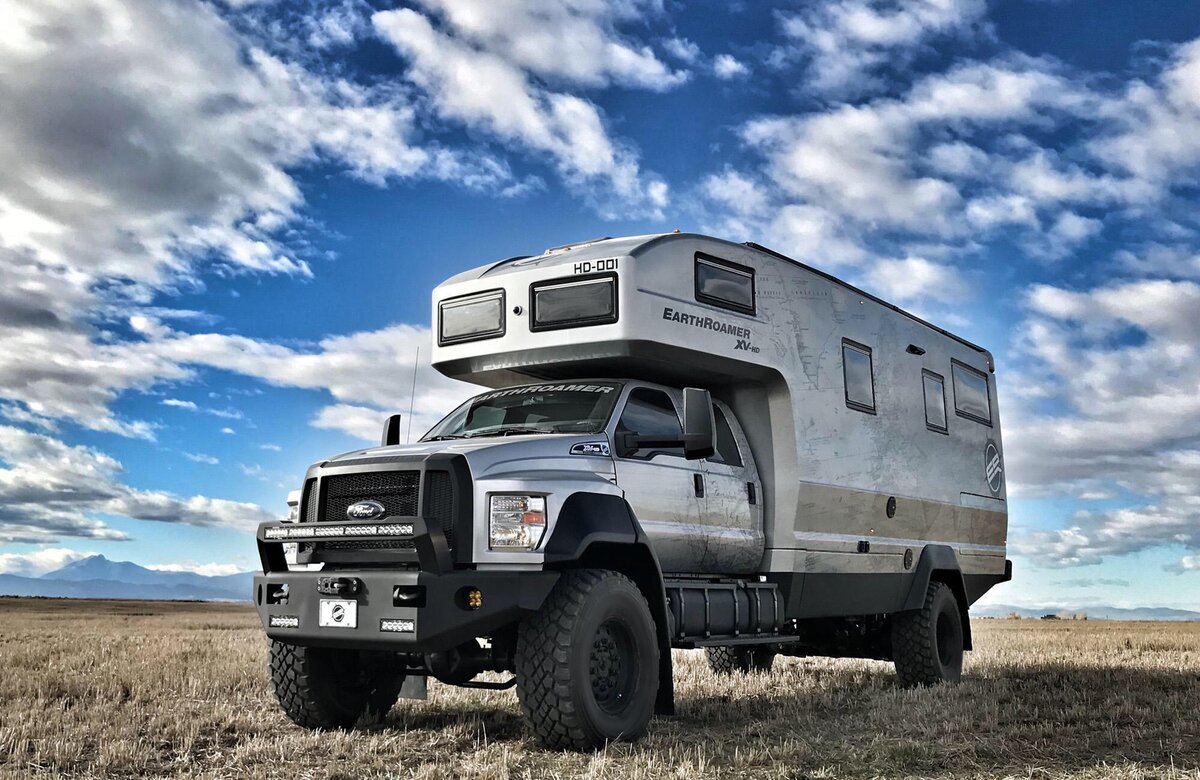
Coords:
947,638
613,666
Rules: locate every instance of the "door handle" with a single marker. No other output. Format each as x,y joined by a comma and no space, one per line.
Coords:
698,483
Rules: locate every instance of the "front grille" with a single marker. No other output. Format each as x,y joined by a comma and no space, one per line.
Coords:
396,490
327,500
439,503
309,501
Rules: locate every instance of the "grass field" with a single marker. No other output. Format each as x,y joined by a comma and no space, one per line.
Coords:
100,689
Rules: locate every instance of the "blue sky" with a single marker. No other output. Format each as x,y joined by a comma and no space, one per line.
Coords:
220,223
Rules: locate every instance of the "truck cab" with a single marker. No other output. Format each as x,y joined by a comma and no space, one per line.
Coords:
683,443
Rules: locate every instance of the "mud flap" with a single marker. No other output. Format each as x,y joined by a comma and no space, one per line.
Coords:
415,687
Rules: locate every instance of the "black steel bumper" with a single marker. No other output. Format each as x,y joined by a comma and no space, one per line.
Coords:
425,612
421,605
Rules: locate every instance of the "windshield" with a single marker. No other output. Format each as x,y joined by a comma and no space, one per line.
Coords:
546,408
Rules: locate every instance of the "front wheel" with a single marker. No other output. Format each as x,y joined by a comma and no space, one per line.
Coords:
324,688
587,662
927,644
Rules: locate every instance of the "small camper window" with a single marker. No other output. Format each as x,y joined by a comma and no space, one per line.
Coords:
935,402
471,317
859,377
572,303
971,393
724,284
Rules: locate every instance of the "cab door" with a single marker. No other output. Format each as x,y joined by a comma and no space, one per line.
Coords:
661,485
732,509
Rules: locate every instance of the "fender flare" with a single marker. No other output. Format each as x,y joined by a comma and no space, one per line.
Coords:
601,530
939,563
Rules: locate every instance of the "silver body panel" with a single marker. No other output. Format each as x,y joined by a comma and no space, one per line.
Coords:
826,471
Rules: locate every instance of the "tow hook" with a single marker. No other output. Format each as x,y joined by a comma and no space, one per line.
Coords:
338,586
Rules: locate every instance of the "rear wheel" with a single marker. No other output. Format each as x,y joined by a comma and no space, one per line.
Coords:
927,644
324,688
746,659
587,662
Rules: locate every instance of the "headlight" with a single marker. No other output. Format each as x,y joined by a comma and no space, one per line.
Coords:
291,551
516,522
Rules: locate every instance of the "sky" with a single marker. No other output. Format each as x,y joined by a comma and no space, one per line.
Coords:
220,224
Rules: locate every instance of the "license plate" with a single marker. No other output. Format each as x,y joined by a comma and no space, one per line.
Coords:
338,613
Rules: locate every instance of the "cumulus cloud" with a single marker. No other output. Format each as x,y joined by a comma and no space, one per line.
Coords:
203,569
846,43
918,279
727,67
486,66
51,490
39,562
368,372
1122,363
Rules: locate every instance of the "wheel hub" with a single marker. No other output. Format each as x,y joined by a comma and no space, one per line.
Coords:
612,666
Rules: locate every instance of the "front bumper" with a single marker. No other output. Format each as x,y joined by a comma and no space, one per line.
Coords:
444,619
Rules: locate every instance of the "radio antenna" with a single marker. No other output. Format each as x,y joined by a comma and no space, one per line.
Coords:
413,395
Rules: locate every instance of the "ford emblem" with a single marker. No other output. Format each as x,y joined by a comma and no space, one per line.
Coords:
365,510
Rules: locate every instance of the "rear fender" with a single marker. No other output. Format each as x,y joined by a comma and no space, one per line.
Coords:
939,563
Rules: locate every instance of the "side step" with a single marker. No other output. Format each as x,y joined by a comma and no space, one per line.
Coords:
706,614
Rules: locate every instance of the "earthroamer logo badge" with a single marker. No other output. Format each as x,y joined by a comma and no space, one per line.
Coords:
365,510
993,467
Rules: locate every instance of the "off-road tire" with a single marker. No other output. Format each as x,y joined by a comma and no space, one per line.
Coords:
927,644
587,662
745,659
325,688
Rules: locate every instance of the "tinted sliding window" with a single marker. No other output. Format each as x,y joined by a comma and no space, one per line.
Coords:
726,444
471,317
971,398
724,284
859,376
935,402
651,414
571,303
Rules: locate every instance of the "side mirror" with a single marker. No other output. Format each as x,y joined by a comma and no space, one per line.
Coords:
391,431
698,424
625,444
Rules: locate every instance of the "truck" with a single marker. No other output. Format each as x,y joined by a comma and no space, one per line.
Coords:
681,443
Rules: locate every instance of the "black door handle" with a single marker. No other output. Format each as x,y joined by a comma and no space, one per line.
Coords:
698,483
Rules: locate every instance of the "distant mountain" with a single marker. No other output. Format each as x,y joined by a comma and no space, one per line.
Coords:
97,577
1092,613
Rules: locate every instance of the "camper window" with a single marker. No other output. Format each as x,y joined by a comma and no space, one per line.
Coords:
971,393
859,376
471,317
571,303
724,284
935,402
650,414
726,444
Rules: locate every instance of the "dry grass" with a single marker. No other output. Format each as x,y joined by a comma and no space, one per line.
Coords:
103,689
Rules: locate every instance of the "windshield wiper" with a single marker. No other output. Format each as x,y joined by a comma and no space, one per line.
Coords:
506,431
445,437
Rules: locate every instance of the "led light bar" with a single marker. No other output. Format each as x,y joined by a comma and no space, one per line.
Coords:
397,625
310,531
284,621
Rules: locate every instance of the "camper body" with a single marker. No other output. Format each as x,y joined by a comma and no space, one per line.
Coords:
688,443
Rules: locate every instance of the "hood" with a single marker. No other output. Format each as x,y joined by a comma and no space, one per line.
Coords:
494,451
